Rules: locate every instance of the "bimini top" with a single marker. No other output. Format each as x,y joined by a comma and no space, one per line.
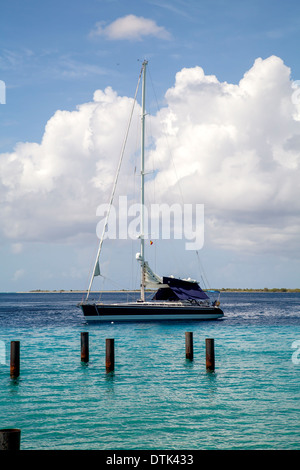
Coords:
178,289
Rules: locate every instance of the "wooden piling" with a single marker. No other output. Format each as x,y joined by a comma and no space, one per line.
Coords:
189,349
10,439
15,359
210,354
110,355
84,347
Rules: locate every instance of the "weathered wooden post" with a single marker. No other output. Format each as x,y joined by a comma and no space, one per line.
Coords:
210,354
189,349
14,359
110,355
10,439
84,347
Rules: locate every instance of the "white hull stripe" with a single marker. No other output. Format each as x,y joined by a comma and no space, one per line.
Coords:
144,317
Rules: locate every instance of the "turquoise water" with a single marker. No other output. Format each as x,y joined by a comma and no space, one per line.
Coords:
155,398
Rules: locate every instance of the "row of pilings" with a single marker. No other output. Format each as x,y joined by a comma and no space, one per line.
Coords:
10,439
110,353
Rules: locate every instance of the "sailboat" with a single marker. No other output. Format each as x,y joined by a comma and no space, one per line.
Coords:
174,299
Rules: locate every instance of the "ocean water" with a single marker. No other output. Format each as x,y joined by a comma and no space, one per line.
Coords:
155,398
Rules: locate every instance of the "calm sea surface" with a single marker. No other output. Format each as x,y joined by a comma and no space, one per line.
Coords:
155,399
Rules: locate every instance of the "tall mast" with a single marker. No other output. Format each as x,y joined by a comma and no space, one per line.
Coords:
96,270
142,183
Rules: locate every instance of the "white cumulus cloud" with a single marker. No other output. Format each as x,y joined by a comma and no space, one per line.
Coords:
131,27
50,190
236,148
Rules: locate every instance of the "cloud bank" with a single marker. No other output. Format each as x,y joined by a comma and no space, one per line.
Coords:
235,148
50,191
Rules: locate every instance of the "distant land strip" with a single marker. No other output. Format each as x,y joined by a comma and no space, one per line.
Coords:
223,289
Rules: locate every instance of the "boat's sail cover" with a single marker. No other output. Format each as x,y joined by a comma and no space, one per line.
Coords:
179,289
151,279
97,269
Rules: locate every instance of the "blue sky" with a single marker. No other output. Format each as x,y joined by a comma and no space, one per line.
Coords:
55,55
